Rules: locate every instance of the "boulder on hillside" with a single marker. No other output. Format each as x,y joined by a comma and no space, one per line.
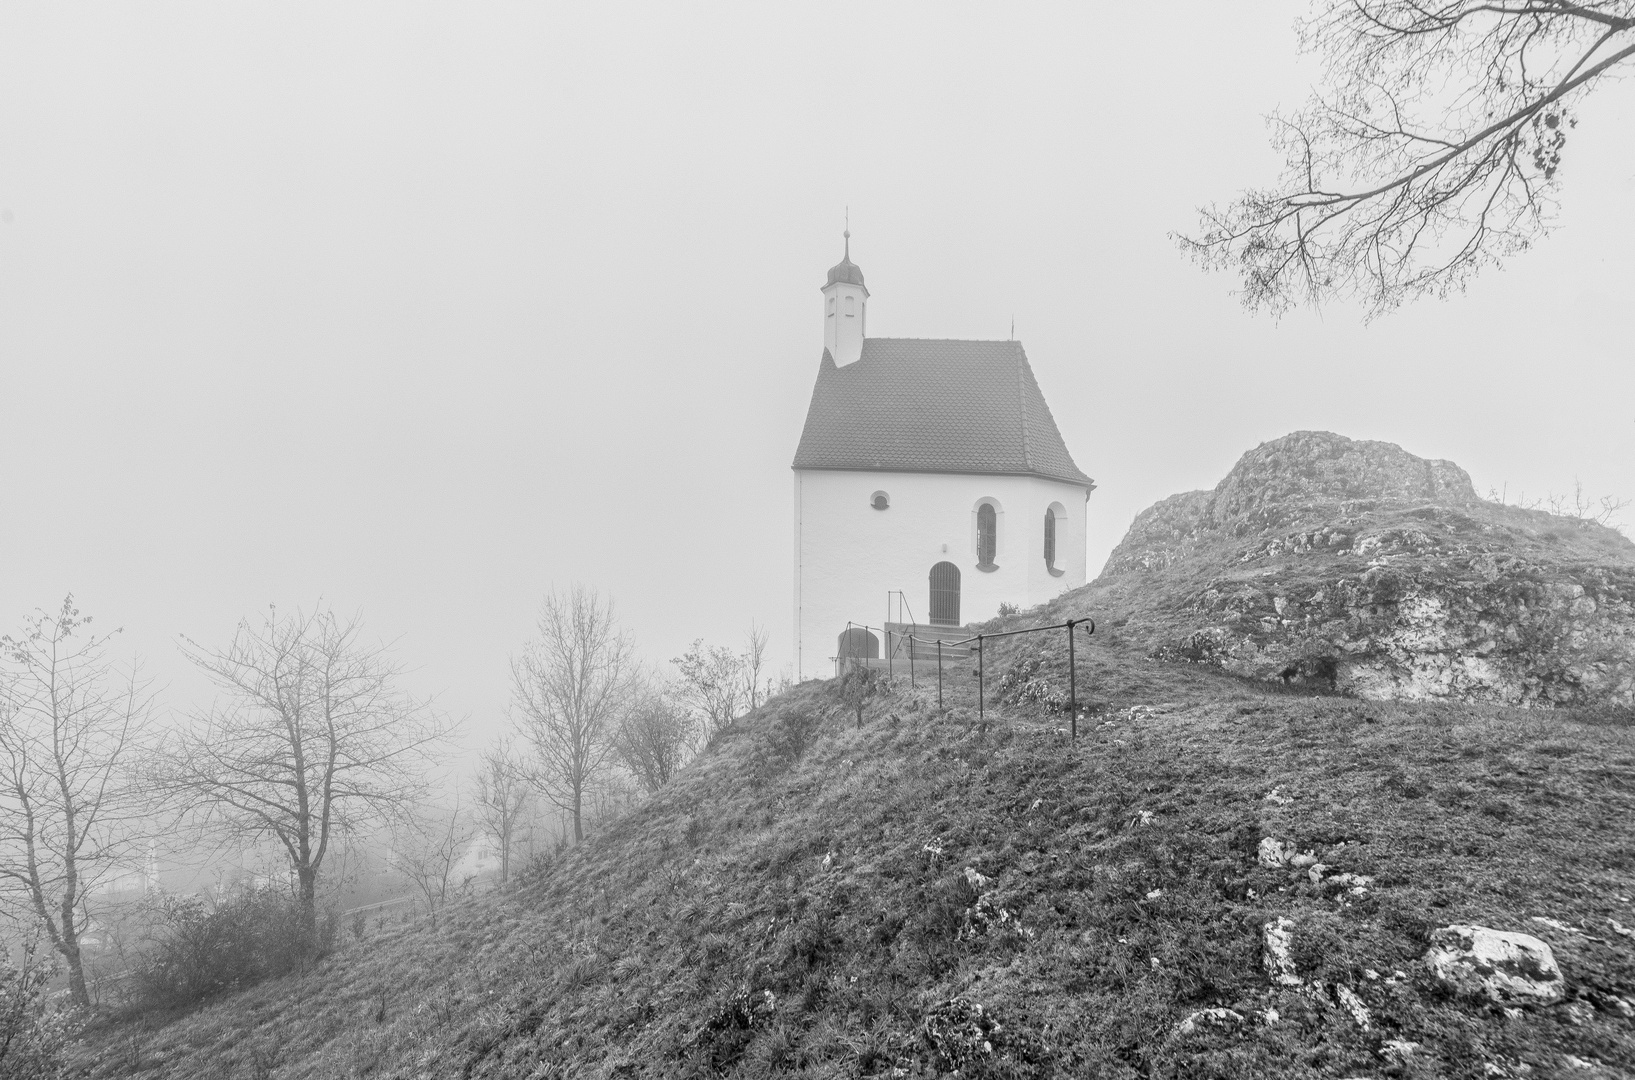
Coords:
1501,965
1357,566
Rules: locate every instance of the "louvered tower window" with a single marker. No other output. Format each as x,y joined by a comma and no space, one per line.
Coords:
1050,538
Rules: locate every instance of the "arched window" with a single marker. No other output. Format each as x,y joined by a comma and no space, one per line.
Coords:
945,594
1055,522
987,535
831,307
849,312
880,500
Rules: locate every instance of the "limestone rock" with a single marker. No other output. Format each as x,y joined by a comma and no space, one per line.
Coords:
1209,1018
1359,567
1354,1006
1274,853
1277,954
1502,965
1578,1012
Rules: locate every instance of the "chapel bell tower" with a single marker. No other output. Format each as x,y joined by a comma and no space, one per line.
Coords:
845,309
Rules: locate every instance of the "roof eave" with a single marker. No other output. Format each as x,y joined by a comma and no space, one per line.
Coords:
1076,481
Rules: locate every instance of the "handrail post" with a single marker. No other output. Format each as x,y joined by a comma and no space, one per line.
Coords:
981,706
1072,682
911,661
939,672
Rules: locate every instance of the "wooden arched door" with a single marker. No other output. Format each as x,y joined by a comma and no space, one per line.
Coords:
945,594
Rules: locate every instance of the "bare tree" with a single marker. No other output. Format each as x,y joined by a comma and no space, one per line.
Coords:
69,806
1432,152
502,798
1602,511
857,687
427,846
754,660
314,738
656,737
712,679
569,689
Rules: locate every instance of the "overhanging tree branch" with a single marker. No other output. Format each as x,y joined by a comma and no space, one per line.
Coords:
1433,152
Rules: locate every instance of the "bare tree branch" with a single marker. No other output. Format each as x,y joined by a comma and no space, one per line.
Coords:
502,798
712,678
570,686
1433,152
71,812
314,737
427,844
656,736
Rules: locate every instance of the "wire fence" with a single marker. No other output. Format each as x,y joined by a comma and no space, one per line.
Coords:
900,638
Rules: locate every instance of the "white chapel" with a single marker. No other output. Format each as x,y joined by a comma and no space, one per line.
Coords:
931,485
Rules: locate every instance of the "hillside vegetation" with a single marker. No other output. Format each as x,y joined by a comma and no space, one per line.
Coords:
923,895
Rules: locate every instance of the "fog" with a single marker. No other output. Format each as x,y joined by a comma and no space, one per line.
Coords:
424,310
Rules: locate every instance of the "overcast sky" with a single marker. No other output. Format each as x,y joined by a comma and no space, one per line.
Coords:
424,309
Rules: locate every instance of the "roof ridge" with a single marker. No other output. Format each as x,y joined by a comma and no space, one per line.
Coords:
1022,400
973,341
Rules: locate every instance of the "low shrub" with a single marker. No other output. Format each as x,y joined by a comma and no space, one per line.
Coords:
32,1033
199,950
794,730
1022,684
857,687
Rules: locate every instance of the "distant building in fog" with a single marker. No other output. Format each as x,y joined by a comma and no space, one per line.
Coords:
928,466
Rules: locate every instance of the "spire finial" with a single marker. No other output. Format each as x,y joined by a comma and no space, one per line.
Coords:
848,233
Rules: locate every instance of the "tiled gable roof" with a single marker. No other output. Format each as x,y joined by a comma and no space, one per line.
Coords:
927,405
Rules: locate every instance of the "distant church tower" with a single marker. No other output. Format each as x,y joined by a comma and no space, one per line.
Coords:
845,309
930,468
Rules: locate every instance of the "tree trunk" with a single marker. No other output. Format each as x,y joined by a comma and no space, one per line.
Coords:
68,944
307,876
77,993
578,819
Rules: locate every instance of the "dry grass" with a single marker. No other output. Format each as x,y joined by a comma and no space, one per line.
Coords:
796,903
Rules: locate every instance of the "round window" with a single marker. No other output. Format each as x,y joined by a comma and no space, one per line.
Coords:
880,500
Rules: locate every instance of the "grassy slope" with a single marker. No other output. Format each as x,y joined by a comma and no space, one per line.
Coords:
766,867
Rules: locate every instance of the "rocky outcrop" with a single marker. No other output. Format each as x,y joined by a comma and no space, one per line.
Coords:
1358,566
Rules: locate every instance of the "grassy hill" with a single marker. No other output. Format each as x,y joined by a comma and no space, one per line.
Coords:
923,895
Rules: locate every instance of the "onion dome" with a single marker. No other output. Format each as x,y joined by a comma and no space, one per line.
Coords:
845,270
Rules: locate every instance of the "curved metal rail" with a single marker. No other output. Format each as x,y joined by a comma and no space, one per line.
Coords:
890,650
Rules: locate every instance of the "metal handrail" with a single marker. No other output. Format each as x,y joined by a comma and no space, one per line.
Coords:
981,666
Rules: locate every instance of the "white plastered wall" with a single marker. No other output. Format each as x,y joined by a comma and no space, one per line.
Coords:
849,555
